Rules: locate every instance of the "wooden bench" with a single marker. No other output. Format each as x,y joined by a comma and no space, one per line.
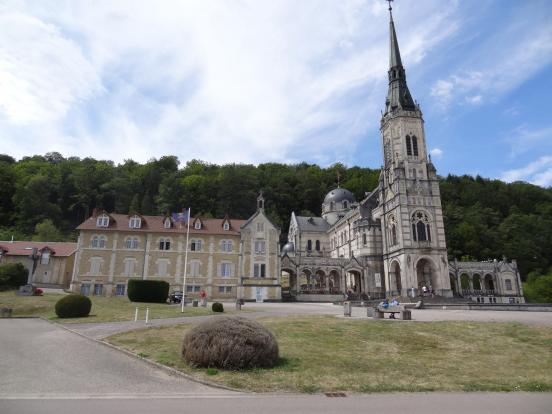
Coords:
379,312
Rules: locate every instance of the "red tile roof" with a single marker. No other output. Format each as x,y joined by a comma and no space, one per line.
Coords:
24,248
119,222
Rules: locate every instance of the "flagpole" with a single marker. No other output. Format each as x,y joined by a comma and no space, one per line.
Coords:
185,263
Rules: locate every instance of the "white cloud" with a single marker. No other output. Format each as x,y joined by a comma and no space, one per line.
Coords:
537,172
436,153
524,138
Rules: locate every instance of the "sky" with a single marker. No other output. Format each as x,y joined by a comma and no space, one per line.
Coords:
254,81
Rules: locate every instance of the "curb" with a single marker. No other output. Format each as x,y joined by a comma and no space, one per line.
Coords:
149,361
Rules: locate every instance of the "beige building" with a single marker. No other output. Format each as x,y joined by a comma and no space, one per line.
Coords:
228,258
52,262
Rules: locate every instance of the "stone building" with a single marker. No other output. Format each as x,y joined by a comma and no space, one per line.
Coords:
52,262
393,241
228,258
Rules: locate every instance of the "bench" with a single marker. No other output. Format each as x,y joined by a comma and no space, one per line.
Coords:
379,312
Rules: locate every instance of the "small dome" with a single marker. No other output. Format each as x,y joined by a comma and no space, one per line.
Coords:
339,194
288,248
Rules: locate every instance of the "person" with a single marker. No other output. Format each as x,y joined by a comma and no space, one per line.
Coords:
385,303
394,302
203,297
424,290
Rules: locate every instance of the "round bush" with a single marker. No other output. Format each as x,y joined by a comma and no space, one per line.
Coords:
217,307
73,306
230,343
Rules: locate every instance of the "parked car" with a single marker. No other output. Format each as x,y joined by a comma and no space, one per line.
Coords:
175,297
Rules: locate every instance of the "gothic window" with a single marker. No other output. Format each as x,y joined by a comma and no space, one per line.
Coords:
392,231
415,146
317,245
408,146
508,283
420,226
387,152
309,245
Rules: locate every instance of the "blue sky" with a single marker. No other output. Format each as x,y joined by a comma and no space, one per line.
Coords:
287,81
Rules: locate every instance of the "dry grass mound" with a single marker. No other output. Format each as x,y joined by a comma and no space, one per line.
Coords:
232,343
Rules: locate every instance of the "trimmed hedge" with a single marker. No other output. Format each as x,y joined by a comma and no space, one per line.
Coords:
217,307
151,291
13,275
230,343
73,306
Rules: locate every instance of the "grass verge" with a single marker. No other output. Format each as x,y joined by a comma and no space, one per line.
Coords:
104,309
326,354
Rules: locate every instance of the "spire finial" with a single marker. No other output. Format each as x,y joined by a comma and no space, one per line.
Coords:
390,9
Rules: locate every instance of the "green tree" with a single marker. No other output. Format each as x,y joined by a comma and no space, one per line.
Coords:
46,231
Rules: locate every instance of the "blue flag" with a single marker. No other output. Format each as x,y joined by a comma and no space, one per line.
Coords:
181,217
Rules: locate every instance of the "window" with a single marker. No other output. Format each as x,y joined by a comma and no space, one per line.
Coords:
345,204
420,227
194,268
193,289
99,242
131,243
162,267
164,244
85,289
167,223
226,246
259,270
197,225
120,290
102,221
259,247
260,227
98,289
226,226
225,289
317,245
309,245
408,146
135,222
195,246
508,284
45,257
364,241
226,269
415,146
332,206
392,231
95,266
129,265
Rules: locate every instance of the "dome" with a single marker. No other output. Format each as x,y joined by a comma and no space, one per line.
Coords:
339,194
288,248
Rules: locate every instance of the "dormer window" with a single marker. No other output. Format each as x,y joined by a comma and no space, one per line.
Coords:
226,226
102,221
167,223
45,257
135,222
345,204
197,225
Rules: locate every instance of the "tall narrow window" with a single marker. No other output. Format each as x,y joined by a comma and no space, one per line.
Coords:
415,146
508,284
259,270
364,240
259,247
317,245
45,257
309,245
408,146
420,227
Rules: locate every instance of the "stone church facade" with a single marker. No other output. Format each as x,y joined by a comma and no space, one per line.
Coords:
392,242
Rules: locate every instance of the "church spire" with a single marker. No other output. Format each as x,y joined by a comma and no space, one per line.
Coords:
398,96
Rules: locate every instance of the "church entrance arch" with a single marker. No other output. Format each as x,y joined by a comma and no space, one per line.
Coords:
335,282
289,283
425,273
395,278
489,284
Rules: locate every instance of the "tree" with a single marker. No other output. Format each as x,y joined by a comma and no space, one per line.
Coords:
46,231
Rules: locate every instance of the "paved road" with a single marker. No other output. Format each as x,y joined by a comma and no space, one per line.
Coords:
39,359
262,310
435,403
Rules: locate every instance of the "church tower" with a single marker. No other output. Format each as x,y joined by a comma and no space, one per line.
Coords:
414,246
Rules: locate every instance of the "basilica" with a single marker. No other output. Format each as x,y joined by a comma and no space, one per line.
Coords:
392,242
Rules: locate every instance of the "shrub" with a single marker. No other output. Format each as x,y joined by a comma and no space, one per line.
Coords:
13,275
73,306
152,291
230,343
217,307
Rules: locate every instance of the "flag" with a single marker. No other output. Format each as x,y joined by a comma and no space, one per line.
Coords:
181,217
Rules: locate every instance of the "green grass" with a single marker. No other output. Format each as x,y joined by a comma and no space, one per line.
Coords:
104,309
326,354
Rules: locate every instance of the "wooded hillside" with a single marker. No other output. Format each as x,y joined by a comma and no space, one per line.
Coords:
484,218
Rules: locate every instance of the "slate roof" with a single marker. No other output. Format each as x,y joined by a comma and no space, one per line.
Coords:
24,248
119,222
312,224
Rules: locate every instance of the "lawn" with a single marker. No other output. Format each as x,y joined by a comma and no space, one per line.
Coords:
104,309
327,354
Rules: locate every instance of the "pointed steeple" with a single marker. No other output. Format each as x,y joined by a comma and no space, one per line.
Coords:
398,96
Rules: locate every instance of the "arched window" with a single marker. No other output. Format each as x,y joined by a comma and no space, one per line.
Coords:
167,223
392,234
309,245
508,284
99,242
317,245
420,226
408,146
364,240
345,204
415,146
164,244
